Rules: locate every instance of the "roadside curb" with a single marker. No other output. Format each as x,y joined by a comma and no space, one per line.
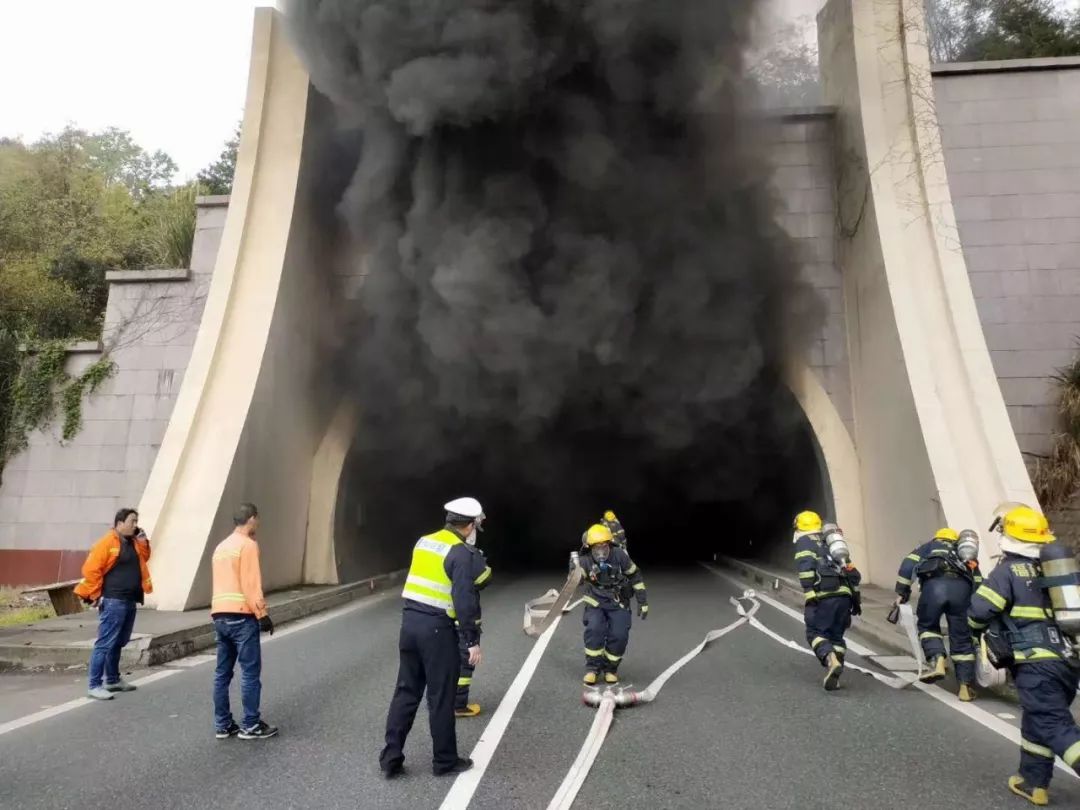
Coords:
151,650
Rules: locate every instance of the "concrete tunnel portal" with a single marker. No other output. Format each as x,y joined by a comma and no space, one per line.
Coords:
727,494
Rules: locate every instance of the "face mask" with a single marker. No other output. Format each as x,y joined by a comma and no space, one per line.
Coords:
471,539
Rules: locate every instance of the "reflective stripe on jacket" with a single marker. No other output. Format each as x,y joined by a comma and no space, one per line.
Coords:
101,559
237,577
427,582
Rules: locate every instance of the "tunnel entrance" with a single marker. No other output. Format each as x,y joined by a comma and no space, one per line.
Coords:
733,491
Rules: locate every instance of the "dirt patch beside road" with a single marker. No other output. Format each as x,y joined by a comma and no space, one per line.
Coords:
16,608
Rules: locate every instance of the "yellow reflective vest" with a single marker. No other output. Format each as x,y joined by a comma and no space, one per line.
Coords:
428,582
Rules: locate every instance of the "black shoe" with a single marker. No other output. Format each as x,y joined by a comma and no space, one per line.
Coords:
460,766
225,733
395,770
259,731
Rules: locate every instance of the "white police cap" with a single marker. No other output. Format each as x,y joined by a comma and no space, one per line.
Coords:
465,507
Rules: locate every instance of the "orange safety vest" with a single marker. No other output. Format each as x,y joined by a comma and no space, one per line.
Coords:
237,577
101,559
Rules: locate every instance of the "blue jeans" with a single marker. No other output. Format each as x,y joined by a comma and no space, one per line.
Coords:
237,639
116,618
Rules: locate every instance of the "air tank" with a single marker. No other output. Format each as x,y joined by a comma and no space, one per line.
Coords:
1062,572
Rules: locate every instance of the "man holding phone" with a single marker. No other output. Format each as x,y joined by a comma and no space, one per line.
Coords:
115,580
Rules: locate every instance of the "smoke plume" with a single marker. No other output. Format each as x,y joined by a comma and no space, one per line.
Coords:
575,289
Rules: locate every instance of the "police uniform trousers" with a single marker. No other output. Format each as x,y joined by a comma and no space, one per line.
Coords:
949,597
465,674
428,659
1047,689
607,633
826,622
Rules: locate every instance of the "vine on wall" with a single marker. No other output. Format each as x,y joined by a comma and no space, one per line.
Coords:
41,387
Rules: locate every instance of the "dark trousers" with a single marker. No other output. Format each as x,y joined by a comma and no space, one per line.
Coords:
237,640
826,622
428,659
607,634
949,597
465,675
116,619
1047,689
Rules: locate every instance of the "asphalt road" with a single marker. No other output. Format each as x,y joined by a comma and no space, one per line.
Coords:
746,724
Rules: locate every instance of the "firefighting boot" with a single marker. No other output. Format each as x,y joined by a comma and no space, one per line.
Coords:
832,677
611,677
471,710
966,693
936,671
589,679
1035,795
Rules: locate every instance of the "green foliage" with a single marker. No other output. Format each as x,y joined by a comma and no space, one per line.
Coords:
85,384
217,178
172,228
1057,478
979,30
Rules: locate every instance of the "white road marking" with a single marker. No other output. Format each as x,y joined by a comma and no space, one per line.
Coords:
176,667
980,716
1006,716
465,785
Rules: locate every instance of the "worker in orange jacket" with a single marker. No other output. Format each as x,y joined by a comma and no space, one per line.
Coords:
238,609
115,579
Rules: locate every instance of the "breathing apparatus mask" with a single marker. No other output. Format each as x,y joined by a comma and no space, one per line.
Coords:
600,553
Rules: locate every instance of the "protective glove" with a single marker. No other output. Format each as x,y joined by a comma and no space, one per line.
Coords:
643,612
266,625
902,598
856,605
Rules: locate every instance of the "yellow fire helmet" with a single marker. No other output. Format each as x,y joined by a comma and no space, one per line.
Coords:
597,534
808,522
609,516
947,534
1026,525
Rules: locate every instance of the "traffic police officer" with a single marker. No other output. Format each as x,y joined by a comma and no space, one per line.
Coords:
831,590
610,579
946,582
440,588
1014,611
462,707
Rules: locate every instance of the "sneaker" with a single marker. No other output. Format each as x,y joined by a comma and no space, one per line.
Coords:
225,733
1037,796
832,677
463,764
611,677
120,686
259,731
100,693
470,710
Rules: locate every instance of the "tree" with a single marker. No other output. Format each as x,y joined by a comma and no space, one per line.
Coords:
218,176
786,73
116,158
977,30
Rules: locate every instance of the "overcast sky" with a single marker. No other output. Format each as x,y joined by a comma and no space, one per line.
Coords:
173,72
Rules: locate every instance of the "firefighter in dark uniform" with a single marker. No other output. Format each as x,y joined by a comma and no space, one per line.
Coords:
439,590
612,524
611,577
831,589
1013,610
462,707
946,583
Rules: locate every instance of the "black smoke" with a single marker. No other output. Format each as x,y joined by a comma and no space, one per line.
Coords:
576,295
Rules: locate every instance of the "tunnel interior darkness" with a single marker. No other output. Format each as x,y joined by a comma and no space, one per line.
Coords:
734,492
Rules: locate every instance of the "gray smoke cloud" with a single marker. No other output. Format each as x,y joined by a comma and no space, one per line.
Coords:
574,279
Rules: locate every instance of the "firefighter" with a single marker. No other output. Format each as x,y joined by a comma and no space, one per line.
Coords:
611,577
462,707
948,572
440,589
612,524
831,589
1012,610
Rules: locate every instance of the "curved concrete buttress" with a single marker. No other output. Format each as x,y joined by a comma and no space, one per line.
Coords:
841,460
246,423
320,556
934,441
